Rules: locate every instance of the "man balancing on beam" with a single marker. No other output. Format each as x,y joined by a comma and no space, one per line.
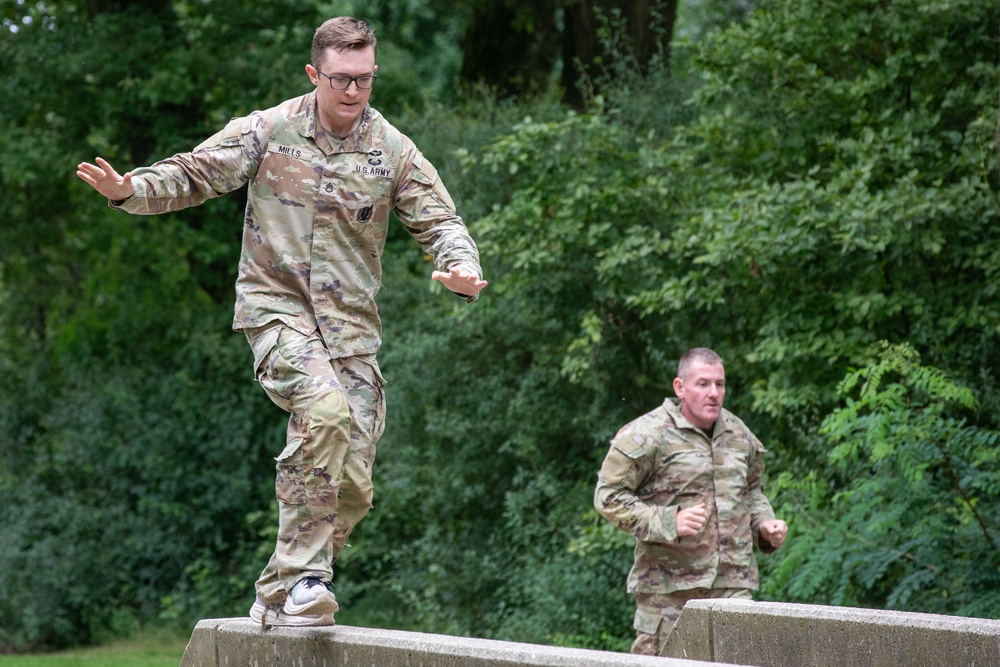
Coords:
324,172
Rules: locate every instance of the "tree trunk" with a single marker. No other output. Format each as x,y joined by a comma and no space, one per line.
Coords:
511,46
639,29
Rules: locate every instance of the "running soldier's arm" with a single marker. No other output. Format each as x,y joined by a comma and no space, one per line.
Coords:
760,506
627,464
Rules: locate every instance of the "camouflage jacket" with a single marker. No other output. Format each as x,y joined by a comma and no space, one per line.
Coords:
661,463
316,218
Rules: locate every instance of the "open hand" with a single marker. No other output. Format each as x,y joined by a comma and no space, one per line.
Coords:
460,281
103,178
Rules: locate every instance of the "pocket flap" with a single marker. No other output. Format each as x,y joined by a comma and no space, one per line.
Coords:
262,345
647,622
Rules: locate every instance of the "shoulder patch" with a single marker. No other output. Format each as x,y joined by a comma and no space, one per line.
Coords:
228,136
631,441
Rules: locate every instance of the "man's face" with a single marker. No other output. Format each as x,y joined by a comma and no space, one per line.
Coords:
339,110
702,391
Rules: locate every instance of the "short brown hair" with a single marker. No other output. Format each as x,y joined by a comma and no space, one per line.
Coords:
343,32
696,355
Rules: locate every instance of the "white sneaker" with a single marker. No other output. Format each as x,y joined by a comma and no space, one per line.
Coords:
268,616
311,596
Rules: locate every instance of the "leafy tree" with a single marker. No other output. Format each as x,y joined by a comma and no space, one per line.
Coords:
796,187
915,527
827,191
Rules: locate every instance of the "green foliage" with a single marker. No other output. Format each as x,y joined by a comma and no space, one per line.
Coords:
915,526
468,498
126,404
804,183
103,484
800,215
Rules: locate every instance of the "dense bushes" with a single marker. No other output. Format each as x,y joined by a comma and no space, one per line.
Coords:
829,193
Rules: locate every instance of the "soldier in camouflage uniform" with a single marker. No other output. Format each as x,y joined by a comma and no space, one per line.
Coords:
685,481
324,172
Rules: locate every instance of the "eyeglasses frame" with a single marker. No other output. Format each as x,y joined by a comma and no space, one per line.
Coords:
351,79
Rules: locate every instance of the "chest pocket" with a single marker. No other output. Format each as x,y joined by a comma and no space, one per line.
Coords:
366,175
289,175
356,190
733,456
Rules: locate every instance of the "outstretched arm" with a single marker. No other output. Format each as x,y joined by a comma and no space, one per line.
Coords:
103,178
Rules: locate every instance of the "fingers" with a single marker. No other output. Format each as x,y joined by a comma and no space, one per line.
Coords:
698,511
774,531
88,172
106,166
96,174
103,178
456,273
691,520
460,281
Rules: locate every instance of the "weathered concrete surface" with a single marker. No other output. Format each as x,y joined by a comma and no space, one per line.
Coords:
775,634
241,643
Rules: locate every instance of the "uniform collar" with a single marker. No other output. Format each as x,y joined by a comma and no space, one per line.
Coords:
673,408
359,141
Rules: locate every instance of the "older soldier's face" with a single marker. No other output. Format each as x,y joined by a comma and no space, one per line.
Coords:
340,110
702,391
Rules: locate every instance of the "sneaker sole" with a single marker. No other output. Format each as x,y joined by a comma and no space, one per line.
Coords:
281,618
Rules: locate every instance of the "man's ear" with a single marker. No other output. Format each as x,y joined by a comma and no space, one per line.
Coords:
679,387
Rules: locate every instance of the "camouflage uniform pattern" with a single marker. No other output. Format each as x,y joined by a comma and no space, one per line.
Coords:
324,475
314,231
661,463
317,216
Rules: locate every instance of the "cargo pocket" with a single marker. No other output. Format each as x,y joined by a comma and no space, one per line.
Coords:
265,355
290,478
379,425
647,622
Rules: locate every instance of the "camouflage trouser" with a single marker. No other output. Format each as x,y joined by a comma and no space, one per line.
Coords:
656,614
324,475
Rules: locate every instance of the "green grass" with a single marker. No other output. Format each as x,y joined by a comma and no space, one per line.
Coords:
149,649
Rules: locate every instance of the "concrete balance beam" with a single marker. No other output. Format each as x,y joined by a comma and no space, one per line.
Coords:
775,634
238,642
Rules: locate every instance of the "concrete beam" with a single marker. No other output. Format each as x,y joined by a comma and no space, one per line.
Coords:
776,634
242,643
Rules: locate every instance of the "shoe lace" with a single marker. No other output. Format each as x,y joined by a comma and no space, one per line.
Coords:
310,582
269,607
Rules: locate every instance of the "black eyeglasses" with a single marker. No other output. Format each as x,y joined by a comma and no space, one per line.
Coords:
340,82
